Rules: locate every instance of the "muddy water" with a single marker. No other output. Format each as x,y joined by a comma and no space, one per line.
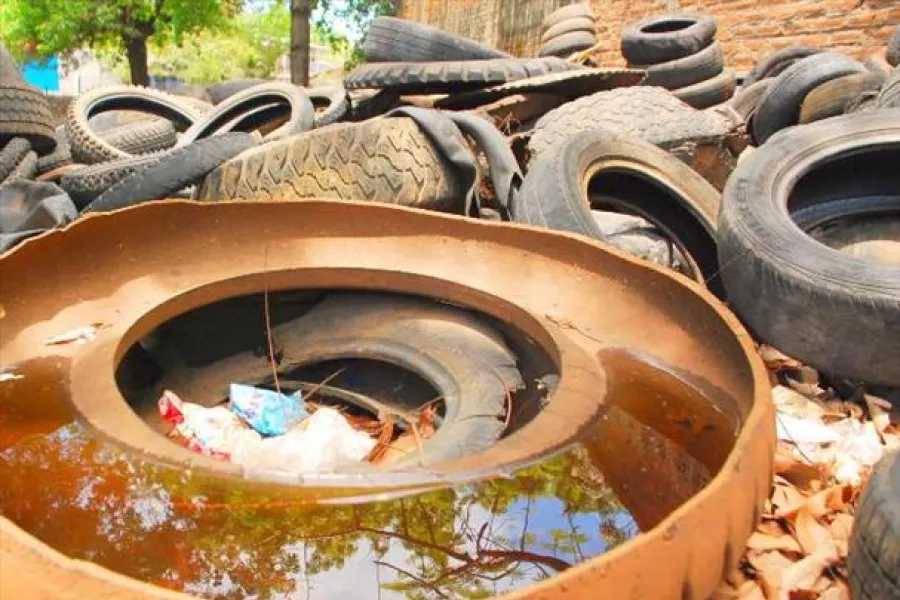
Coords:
180,530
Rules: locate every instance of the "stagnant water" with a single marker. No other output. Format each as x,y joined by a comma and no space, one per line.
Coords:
89,500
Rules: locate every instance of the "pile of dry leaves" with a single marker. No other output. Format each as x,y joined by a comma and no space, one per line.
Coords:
827,445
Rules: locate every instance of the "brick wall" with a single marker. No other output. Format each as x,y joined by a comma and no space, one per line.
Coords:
748,29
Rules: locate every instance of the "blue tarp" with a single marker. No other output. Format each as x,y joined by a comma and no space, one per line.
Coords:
43,74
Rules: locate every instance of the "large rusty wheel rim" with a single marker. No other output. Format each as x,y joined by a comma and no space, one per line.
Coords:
686,555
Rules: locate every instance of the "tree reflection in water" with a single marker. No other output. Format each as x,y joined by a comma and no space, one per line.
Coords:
180,531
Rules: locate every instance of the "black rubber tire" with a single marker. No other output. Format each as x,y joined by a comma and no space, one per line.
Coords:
88,147
873,562
711,92
24,113
366,107
746,99
686,71
173,171
221,91
12,154
889,96
779,107
87,183
795,293
775,64
60,157
637,111
381,160
831,98
892,53
573,11
25,169
397,40
227,114
666,37
643,179
568,26
142,137
451,76
334,100
568,43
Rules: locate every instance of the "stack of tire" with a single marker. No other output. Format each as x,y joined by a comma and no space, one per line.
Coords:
568,30
679,53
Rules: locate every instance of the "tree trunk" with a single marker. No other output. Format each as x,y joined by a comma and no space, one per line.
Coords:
300,13
136,50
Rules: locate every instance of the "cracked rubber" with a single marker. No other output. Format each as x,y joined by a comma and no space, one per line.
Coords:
142,137
172,171
644,112
708,93
874,560
832,97
686,71
88,147
381,160
836,312
24,113
25,168
397,40
12,154
60,157
452,75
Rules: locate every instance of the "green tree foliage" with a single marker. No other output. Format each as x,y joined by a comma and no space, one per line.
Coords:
45,27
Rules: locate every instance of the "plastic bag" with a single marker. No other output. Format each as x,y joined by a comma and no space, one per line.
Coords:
215,432
323,443
268,412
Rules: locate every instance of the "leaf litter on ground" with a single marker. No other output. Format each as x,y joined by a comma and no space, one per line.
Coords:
827,446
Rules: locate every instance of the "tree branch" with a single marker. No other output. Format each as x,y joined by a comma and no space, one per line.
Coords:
418,580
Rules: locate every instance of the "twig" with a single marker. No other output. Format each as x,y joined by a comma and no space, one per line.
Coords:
418,580
322,383
269,320
796,445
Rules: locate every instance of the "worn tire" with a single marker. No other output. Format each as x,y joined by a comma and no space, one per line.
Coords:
641,179
86,184
889,96
88,147
397,40
573,11
832,97
708,93
172,171
142,137
794,292
24,113
333,99
637,111
25,169
668,37
775,64
60,157
568,43
382,160
12,154
746,99
892,54
779,106
686,71
877,64
874,560
568,26
451,76
226,89
226,115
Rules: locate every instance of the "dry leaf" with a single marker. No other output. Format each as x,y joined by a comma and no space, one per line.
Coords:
399,448
811,534
803,595
837,591
761,542
789,402
804,574
769,566
775,359
841,528
804,476
881,416
786,500
830,500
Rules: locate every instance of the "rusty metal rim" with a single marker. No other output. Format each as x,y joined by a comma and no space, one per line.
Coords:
685,556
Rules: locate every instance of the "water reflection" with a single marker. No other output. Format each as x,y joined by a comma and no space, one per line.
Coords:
173,529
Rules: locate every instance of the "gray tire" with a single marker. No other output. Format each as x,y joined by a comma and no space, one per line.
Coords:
568,43
746,99
889,96
775,64
837,312
573,11
142,137
682,72
892,54
832,97
663,38
85,184
779,107
12,154
397,40
708,93
568,26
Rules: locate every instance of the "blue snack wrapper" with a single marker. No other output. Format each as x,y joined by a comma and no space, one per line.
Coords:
268,412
